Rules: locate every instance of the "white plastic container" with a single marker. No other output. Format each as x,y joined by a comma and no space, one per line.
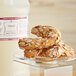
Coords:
13,25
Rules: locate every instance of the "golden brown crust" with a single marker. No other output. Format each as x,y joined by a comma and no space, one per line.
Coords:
68,50
31,53
56,51
46,31
36,43
63,49
49,45
49,34
52,52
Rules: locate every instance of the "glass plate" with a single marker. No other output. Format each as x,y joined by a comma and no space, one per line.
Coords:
40,61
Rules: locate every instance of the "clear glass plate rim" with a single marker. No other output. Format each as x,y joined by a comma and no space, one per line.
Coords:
20,56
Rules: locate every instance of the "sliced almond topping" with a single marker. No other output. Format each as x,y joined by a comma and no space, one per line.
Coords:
54,53
22,43
36,45
60,51
29,40
41,29
51,49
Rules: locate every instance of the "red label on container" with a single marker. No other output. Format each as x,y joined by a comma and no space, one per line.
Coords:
12,28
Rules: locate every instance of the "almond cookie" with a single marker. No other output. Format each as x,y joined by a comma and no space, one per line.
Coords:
46,32
68,50
57,51
35,43
31,53
52,52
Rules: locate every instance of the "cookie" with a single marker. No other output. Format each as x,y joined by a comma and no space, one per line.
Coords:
46,32
68,50
35,43
56,51
52,52
31,53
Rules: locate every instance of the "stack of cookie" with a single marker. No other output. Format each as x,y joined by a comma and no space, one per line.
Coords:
47,44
